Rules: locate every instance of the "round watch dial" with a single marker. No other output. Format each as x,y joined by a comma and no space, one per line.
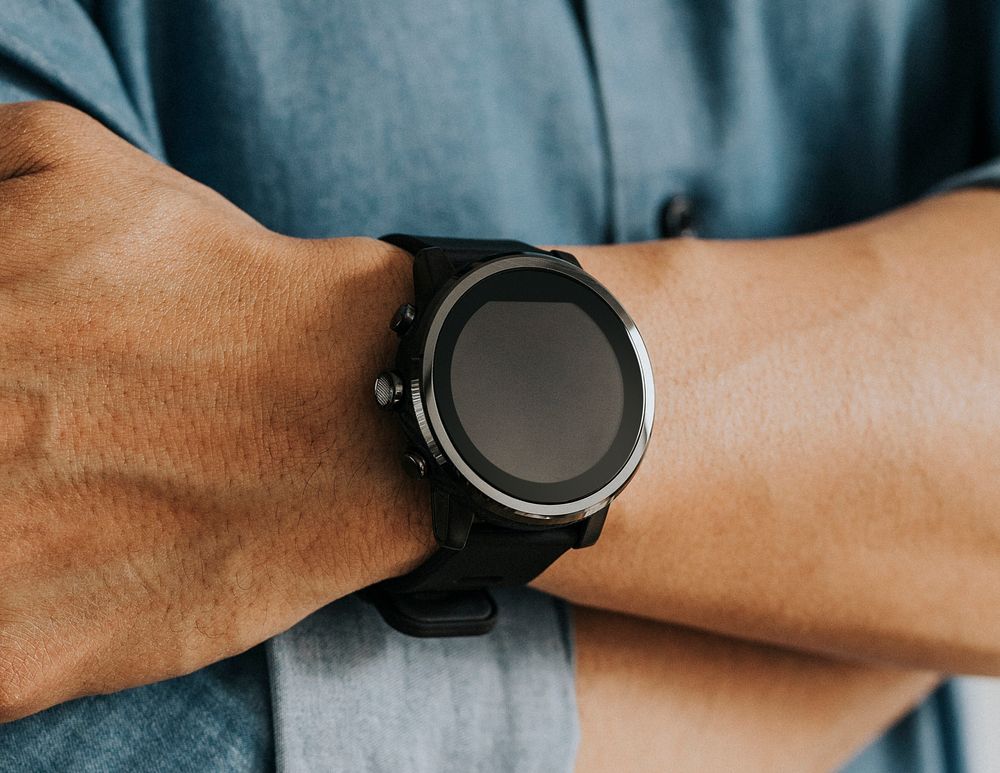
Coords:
538,385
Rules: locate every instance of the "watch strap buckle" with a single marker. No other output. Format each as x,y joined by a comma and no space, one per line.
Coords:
431,614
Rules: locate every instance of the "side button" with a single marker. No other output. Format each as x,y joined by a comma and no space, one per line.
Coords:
388,390
403,319
414,463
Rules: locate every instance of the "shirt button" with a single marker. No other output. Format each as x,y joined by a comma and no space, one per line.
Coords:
677,217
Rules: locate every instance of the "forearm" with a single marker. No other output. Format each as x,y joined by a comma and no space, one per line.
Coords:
825,469
657,697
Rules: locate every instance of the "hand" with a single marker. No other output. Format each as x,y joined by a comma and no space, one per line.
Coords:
189,456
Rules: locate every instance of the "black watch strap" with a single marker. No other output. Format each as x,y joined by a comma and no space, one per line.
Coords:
438,259
447,595
460,252
492,556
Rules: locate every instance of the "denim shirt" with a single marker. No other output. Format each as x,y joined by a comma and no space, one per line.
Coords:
550,121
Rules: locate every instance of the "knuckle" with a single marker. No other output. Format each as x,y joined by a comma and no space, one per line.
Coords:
42,116
36,134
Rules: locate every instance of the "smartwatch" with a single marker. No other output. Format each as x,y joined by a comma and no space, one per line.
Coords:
525,394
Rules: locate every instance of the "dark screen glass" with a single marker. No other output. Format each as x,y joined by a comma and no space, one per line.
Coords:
527,368
538,385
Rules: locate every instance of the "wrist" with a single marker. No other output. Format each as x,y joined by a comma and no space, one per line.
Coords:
367,520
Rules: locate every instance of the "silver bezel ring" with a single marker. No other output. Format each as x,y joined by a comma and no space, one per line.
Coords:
439,441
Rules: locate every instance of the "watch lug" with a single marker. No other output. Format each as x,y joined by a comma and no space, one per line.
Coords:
567,257
431,269
591,527
451,523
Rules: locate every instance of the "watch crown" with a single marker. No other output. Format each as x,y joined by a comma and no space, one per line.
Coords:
388,390
402,320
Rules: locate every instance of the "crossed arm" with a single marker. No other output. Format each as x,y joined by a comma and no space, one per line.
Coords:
192,463
826,467
659,697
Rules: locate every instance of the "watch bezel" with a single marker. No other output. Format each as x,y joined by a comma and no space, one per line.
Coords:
444,450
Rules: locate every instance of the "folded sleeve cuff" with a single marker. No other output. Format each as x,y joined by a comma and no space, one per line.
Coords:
983,176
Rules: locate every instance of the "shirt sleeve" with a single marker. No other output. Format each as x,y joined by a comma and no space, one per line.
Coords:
983,176
986,173
54,49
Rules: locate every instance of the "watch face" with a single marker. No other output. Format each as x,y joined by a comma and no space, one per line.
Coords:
538,385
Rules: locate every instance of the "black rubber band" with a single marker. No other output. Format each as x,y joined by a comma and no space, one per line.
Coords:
438,259
446,595
459,251
493,556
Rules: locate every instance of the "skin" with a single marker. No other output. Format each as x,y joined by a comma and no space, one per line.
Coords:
192,462
658,697
179,477
825,469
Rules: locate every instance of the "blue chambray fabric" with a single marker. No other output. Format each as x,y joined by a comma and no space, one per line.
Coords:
218,719
550,121
499,702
